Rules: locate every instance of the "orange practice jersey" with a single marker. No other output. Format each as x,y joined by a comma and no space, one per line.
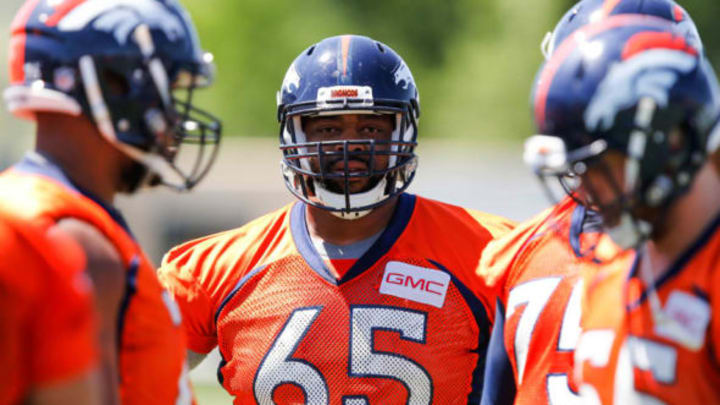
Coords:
407,323
632,351
152,347
538,313
47,325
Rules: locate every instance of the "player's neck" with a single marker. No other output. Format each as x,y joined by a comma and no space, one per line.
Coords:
83,156
324,225
687,219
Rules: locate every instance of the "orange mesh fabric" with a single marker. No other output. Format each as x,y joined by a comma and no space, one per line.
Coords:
290,333
152,348
47,328
269,303
626,355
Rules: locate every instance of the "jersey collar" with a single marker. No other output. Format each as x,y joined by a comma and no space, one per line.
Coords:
399,221
680,263
38,164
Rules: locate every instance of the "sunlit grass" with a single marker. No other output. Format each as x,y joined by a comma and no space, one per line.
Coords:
211,394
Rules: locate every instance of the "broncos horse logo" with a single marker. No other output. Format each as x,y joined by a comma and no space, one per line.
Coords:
121,17
403,75
650,68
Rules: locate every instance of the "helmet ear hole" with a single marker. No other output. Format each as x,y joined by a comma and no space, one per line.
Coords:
116,85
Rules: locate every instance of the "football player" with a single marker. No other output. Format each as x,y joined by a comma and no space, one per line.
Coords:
104,81
539,262
47,324
538,310
630,107
358,293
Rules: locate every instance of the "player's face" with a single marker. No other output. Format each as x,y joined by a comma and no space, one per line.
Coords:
365,127
602,184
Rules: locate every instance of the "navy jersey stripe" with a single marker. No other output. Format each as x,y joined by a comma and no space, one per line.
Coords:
484,325
130,291
399,221
679,264
499,378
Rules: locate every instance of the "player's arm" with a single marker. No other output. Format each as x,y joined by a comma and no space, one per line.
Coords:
181,276
499,383
63,331
106,270
81,390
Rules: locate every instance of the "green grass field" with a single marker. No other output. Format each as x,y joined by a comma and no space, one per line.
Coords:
211,394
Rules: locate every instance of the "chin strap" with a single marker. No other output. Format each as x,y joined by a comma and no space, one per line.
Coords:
629,233
335,200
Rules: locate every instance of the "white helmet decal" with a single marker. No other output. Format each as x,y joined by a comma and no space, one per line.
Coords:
403,75
291,82
126,16
649,74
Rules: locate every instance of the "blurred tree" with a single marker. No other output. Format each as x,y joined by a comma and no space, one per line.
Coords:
705,13
474,61
254,42
420,27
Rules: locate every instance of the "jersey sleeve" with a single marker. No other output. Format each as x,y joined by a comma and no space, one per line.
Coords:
201,273
63,332
180,278
500,254
499,382
496,225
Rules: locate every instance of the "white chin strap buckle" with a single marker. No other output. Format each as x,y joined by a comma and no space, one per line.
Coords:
628,234
349,216
335,200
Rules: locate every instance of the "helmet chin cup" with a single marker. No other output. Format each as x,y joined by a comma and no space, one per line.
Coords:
629,233
337,201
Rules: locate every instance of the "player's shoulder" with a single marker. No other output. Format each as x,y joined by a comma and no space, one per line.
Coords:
607,277
30,195
8,231
240,248
48,256
461,220
503,253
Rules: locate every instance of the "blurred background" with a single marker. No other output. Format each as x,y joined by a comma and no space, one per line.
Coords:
473,62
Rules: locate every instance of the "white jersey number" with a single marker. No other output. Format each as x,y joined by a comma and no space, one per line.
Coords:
279,367
534,295
645,355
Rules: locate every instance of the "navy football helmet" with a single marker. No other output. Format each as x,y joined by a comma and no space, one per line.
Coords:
130,66
591,11
348,75
633,85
